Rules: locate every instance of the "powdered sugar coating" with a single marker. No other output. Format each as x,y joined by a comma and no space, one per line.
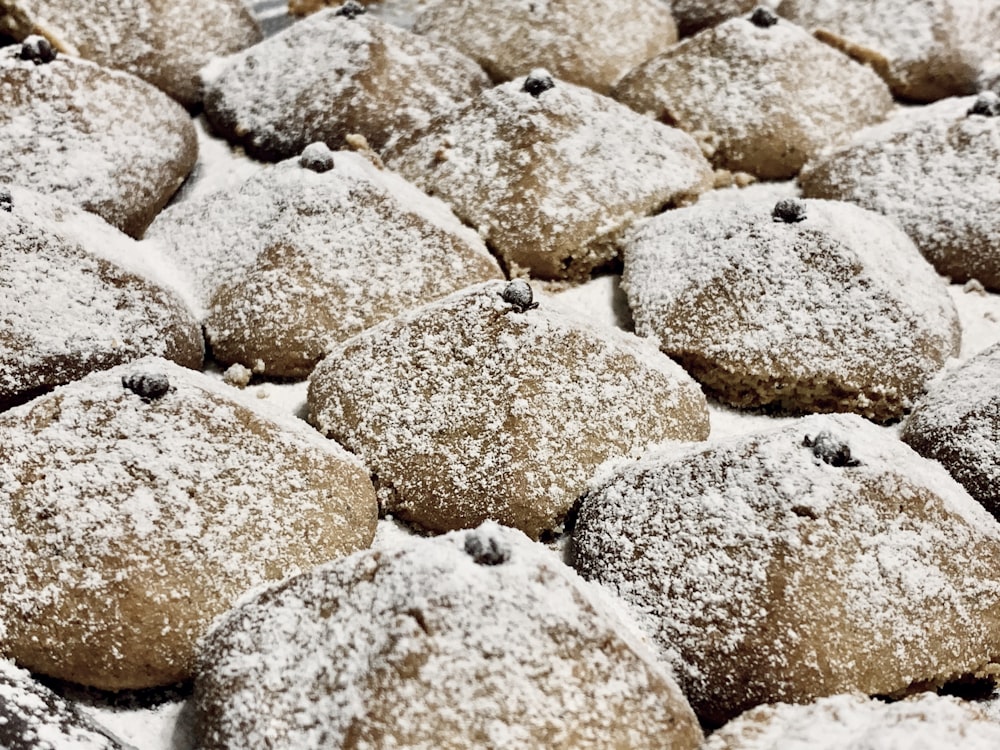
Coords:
468,410
163,43
551,181
127,523
763,100
592,44
417,646
32,717
765,573
328,76
936,171
924,49
835,313
924,722
66,311
958,424
63,133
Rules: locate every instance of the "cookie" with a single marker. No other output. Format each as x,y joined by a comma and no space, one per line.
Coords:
935,172
814,559
32,717
491,404
477,639
694,15
67,309
591,44
96,138
312,251
923,722
139,503
550,173
801,305
958,424
335,73
163,43
761,94
922,48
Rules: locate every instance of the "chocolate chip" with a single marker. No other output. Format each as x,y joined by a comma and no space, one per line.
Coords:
350,9
486,549
830,450
38,50
763,17
987,104
789,210
148,385
6,200
518,295
538,82
317,157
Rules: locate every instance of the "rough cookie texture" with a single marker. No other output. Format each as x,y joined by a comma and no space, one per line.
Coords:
836,312
473,408
332,75
131,516
298,258
765,571
551,175
924,49
590,43
422,645
958,424
99,139
32,717
694,15
762,98
165,43
923,722
67,309
936,171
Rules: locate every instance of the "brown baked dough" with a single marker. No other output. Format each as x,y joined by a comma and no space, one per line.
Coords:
475,408
477,639
921,48
67,309
818,558
99,139
591,43
164,43
827,308
550,173
694,15
761,98
139,503
331,75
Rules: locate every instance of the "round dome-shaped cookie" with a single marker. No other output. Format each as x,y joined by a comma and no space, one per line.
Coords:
99,139
694,15
958,424
923,722
477,639
920,47
139,503
550,173
590,43
335,73
165,43
807,306
67,309
935,171
760,93
818,558
32,717
490,405
310,252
